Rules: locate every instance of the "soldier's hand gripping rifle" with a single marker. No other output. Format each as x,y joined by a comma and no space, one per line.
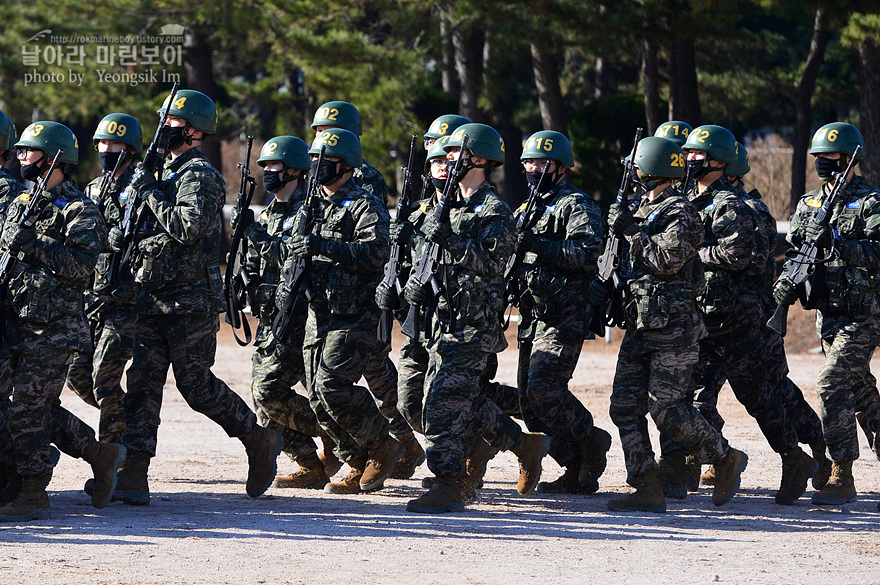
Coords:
799,268
391,274
526,221
611,313
37,202
237,280
296,275
424,271
154,162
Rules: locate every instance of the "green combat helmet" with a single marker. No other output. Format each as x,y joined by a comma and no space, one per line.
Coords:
339,115
445,125
290,150
717,141
339,142
741,167
7,132
838,137
660,158
194,107
437,150
120,128
49,137
675,131
550,145
483,142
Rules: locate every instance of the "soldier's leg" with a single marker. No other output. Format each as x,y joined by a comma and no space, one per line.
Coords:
411,369
868,411
629,410
145,380
504,395
709,379
79,373
114,344
7,458
381,376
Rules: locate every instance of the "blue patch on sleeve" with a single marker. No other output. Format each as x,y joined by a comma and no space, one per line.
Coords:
123,197
551,208
287,223
347,202
60,202
852,205
478,209
710,207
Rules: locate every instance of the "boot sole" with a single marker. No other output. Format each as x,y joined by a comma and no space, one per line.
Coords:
315,485
409,471
605,448
654,509
545,448
131,498
826,501
742,467
450,507
39,514
379,482
259,491
675,492
339,492
788,501
117,463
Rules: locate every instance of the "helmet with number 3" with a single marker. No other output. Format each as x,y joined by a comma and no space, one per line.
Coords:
660,157
838,137
550,145
675,131
445,125
290,150
120,128
49,137
340,143
194,107
339,115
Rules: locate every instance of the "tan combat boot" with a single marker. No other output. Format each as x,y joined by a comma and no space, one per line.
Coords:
446,495
131,483
310,476
481,453
692,473
567,483
351,483
413,456
331,462
262,447
648,496
727,476
594,456
381,464
32,502
530,449
708,478
105,459
671,472
840,489
823,472
797,469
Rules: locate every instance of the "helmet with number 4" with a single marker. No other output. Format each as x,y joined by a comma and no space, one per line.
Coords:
660,157
550,145
445,125
49,137
437,150
717,141
741,167
120,128
675,131
7,132
341,143
194,107
339,115
483,142
838,137
290,150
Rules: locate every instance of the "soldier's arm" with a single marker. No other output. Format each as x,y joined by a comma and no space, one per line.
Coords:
734,227
579,250
267,246
193,209
865,251
368,250
488,252
667,251
85,237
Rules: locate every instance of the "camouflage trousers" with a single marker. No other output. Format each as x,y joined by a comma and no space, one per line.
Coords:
97,378
848,390
660,383
411,369
546,365
346,411
187,343
456,408
503,395
277,368
382,378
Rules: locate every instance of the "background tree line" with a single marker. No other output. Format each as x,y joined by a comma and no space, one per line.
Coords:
592,69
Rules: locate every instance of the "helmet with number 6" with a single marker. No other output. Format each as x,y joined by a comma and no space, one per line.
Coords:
483,142
445,125
290,150
717,141
194,107
550,145
838,137
120,128
660,157
675,131
7,132
339,115
741,167
341,143
49,137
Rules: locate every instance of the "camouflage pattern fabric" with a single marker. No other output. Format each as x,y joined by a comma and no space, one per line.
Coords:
368,178
412,366
9,190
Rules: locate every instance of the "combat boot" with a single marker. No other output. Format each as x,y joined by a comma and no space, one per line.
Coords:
413,456
568,483
708,478
331,462
32,502
648,496
530,449
481,453
446,495
131,483
671,471
105,459
823,472
263,447
594,456
381,464
727,476
797,469
11,485
692,473
840,489
310,476
351,483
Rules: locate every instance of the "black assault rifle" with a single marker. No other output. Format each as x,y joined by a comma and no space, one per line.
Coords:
800,268
426,266
391,275
237,280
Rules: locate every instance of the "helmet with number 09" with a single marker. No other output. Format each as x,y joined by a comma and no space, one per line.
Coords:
120,128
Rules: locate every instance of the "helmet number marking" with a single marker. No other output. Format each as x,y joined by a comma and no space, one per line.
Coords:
677,160
704,134
823,134
272,147
36,129
330,139
112,127
328,113
179,102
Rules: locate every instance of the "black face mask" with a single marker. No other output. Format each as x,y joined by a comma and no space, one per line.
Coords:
825,167
173,136
327,173
439,184
32,171
274,181
646,183
533,178
697,169
108,159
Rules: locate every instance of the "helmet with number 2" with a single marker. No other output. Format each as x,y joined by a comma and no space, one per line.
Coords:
290,150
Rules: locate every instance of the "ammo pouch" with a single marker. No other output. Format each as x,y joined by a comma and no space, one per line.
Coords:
719,293
548,292
854,293
160,264
649,303
263,303
34,298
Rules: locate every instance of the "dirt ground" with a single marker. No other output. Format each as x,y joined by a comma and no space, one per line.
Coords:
201,528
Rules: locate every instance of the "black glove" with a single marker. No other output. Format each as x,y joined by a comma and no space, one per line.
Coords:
620,220
784,293
142,180
246,218
437,231
308,245
525,240
386,298
819,233
401,232
599,292
117,239
24,239
415,294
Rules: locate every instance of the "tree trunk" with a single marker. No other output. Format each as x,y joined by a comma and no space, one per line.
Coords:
869,109
687,106
448,78
803,106
468,39
199,67
603,79
650,84
550,101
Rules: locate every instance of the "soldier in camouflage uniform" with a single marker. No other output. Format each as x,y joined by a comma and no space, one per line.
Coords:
475,241
176,263
663,329
848,320
559,253
731,310
46,325
278,367
109,305
347,247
